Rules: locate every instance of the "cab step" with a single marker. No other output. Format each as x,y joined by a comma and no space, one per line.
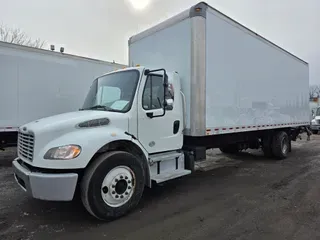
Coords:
167,166
166,176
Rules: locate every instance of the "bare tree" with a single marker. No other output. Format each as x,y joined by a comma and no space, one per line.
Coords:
16,36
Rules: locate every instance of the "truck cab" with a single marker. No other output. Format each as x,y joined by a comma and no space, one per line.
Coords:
315,122
128,133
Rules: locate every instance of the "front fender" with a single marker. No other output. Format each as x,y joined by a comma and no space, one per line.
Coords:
90,140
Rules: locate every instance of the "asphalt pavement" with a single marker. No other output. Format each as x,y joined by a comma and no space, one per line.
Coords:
254,198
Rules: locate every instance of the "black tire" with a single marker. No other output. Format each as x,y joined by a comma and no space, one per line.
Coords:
267,147
280,145
93,178
230,149
315,131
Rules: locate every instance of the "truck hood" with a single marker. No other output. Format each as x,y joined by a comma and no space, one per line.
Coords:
58,124
317,118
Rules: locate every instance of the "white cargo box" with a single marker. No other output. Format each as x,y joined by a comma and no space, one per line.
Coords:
234,80
37,83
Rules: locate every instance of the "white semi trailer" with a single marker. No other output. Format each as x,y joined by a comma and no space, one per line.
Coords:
37,83
207,82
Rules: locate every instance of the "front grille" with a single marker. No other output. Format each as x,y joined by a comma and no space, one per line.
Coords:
26,145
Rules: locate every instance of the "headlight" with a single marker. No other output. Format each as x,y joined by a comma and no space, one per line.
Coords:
313,122
63,152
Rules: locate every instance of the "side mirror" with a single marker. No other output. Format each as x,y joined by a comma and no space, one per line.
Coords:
169,104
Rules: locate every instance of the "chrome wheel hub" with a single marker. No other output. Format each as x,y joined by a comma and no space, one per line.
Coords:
118,186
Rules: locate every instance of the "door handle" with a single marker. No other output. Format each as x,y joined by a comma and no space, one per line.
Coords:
176,126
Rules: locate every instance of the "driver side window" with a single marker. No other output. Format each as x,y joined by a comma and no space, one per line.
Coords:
152,97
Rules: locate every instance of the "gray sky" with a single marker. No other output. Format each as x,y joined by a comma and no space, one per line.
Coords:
100,28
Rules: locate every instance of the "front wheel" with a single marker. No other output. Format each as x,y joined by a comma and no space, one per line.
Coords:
112,185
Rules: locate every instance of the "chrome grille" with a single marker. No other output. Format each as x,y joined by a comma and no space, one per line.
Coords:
26,145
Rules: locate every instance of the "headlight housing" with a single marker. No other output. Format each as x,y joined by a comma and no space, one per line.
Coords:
313,122
63,152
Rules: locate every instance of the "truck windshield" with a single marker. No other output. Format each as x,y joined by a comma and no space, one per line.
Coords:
113,92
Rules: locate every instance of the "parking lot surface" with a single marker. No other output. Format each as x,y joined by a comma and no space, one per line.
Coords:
256,198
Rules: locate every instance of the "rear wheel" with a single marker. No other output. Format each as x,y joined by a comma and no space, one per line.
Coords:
281,145
112,185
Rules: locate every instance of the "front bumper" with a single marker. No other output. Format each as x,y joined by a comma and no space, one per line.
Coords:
45,186
315,127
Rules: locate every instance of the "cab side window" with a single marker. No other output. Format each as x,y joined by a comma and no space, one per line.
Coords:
152,97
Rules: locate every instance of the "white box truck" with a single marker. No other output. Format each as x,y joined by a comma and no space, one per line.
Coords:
38,83
207,82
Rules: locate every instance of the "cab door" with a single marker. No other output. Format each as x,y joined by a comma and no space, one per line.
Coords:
159,130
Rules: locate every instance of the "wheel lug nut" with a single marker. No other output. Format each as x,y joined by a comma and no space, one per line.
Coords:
113,186
126,177
121,196
129,187
113,192
117,196
129,181
126,193
121,177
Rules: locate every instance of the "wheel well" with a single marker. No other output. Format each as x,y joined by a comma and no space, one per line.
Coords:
127,146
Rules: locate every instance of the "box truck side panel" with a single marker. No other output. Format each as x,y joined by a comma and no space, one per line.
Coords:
8,93
250,83
38,83
47,87
167,48
44,88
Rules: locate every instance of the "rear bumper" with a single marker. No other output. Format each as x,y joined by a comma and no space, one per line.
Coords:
45,186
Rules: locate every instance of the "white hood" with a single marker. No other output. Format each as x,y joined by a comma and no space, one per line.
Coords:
48,130
68,121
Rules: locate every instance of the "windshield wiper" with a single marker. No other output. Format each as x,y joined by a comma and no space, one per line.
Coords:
100,107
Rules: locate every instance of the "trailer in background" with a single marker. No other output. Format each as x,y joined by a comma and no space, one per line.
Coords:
37,83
